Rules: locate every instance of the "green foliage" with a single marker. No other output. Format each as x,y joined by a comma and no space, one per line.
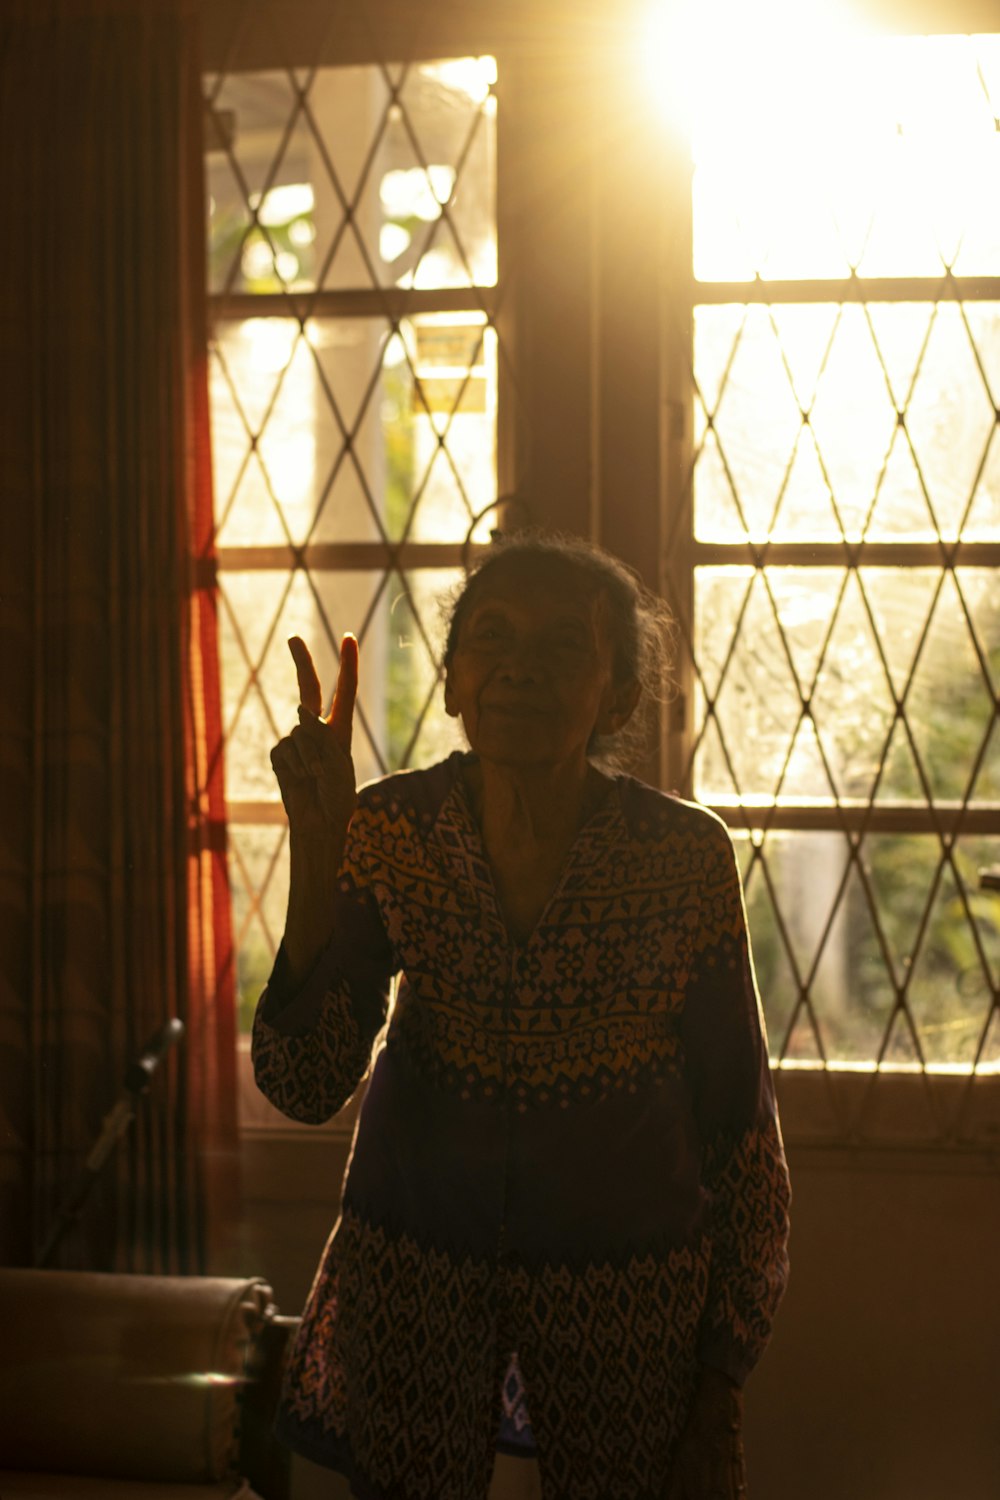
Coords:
226,241
254,962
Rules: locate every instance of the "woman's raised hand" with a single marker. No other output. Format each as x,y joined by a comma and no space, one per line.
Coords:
313,764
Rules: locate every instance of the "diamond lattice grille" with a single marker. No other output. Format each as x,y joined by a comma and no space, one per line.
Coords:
354,366
843,638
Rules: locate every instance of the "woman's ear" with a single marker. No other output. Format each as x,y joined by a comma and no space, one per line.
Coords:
450,707
619,707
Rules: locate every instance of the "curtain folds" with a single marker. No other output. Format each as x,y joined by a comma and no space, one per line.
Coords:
114,907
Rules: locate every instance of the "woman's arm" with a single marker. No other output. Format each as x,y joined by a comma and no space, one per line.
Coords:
313,1038
744,1172
327,996
744,1168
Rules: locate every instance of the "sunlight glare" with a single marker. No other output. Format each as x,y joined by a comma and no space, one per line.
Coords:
473,76
267,347
695,54
821,149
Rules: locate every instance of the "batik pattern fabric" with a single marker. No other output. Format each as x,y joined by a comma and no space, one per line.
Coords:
567,1148
515,1436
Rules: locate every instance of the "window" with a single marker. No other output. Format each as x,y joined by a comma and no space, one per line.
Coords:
354,363
818,334
834,552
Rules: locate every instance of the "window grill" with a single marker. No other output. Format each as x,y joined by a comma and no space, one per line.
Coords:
354,363
833,560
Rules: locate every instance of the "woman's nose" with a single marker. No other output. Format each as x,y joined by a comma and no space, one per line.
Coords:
521,662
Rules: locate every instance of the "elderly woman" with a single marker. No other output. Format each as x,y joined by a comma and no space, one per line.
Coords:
563,1228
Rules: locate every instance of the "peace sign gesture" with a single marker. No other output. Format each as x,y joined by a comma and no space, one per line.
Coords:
313,764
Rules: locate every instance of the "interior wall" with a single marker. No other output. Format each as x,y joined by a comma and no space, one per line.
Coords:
880,1380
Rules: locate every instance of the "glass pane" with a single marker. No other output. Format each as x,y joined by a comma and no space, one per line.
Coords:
354,177
349,431
819,423
800,670
441,148
791,181
400,718
757,704
852,932
943,931
261,609
950,706
805,927
258,874
441,396
875,421
418,731
399,619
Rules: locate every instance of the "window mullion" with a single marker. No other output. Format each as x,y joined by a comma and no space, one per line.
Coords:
948,818
393,303
931,289
845,553
319,557
678,555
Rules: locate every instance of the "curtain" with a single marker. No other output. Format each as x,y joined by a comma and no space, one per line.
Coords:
114,906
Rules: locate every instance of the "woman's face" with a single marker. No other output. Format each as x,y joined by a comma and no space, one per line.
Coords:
531,676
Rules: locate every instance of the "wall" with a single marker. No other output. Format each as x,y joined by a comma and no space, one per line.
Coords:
880,1382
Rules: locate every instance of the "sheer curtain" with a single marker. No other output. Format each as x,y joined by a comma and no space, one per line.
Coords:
114,910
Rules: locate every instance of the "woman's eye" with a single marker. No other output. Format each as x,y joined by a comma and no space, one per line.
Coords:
487,632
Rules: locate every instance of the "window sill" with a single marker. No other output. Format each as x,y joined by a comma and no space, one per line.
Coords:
946,1112
845,1109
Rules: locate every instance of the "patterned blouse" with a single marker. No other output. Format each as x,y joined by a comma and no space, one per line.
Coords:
568,1148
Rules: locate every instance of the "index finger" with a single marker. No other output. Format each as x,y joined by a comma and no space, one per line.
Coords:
310,693
342,712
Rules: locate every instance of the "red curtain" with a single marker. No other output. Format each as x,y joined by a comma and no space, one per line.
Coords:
114,905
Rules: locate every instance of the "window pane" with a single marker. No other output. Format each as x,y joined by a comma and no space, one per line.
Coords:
354,177
823,422
348,431
399,620
400,718
853,933
875,421
258,876
874,159
800,670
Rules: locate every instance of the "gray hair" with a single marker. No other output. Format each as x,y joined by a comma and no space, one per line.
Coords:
640,624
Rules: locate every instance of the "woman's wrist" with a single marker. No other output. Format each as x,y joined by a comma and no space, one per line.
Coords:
312,889
315,855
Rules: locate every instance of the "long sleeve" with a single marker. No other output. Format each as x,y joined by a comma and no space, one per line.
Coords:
743,1169
311,1046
